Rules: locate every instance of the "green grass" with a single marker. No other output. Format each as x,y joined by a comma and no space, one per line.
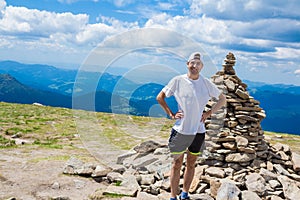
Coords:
52,127
114,195
47,126
5,143
293,141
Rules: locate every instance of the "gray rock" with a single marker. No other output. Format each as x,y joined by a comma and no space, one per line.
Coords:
101,171
147,179
296,161
122,157
55,186
215,172
256,183
249,195
267,174
129,187
146,196
114,177
148,146
72,165
201,197
240,157
290,188
228,191
274,184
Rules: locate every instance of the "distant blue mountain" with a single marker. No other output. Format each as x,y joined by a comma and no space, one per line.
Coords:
95,91
253,87
49,78
281,103
11,90
42,77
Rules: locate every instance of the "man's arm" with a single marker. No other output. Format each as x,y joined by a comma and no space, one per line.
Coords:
220,103
161,100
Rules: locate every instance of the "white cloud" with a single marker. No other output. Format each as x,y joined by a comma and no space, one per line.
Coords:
2,4
284,53
64,28
272,29
166,5
121,3
247,10
52,36
297,72
202,29
32,22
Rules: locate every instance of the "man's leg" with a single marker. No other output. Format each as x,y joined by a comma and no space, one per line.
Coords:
189,171
192,155
175,174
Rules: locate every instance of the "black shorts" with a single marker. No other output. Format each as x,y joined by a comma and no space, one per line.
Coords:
179,143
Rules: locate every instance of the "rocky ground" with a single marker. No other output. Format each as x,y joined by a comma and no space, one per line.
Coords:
32,172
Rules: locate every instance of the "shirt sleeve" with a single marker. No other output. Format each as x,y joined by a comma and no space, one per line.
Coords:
212,89
169,89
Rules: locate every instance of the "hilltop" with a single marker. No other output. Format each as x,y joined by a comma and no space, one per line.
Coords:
48,137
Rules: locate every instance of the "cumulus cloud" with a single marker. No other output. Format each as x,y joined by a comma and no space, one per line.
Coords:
23,23
32,22
284,53
247,10
202,29
297,72
285,30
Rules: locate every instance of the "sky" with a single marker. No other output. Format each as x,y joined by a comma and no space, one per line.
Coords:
264,35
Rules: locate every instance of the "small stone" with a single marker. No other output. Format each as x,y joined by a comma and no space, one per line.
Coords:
55,186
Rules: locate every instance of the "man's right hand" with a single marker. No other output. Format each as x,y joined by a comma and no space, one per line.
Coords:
178,115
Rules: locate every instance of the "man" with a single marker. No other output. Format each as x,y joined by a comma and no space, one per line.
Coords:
192,92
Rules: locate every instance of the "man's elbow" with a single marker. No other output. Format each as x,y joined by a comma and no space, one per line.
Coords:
160,97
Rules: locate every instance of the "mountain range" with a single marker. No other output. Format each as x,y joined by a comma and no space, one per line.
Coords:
48,85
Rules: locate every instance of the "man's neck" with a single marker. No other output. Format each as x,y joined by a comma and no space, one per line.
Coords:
193,76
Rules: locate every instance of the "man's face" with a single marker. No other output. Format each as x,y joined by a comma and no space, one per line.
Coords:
195,66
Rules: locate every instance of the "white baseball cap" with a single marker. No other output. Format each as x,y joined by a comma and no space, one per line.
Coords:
194,56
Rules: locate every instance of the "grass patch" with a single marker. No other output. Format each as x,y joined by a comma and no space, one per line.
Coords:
5,143
293,141
51,127
118,183
108,195
49,142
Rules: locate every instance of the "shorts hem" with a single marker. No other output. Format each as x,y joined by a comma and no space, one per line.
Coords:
177,153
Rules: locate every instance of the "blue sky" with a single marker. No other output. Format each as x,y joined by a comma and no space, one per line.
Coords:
263,35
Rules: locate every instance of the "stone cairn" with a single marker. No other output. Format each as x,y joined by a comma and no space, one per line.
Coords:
238,163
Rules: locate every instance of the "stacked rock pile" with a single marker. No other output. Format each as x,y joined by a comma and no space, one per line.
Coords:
238,163
234,134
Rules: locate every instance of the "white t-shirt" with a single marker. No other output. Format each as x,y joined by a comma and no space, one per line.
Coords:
192,97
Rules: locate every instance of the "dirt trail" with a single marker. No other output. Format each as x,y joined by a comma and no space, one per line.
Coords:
28,173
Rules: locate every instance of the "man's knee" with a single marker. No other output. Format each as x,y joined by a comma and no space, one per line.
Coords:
191,161
177,163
